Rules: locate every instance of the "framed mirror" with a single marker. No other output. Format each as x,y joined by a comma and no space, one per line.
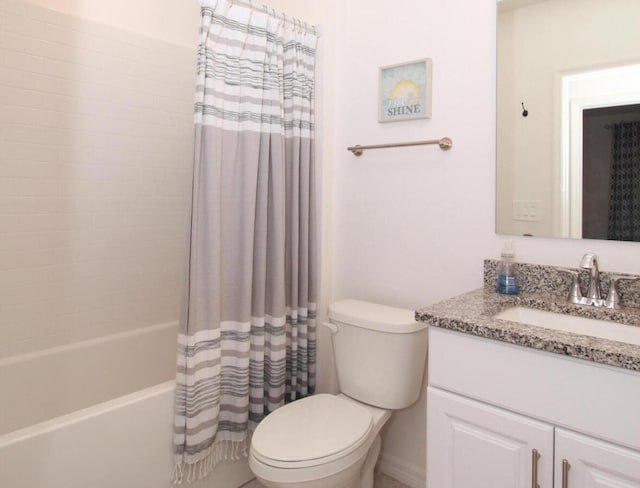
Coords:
568,119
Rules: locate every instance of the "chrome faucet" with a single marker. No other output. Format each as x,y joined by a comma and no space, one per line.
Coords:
594,298
590,262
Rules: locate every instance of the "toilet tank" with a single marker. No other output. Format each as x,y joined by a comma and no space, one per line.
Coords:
380,353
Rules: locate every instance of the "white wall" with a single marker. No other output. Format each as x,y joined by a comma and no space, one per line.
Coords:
173,21
413,225
95,159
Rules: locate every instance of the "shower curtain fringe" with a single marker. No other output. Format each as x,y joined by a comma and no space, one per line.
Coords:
221,451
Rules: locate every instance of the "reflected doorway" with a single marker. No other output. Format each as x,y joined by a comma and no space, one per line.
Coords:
598,137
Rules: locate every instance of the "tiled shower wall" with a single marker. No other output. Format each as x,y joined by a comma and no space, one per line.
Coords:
95,159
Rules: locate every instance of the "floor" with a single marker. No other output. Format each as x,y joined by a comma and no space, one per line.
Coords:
381,481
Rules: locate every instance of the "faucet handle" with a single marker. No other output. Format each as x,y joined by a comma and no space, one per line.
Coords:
575,294
613,299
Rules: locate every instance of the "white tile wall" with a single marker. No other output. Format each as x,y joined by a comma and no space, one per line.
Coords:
95,160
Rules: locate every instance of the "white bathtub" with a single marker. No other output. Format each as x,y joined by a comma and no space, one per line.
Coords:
96,414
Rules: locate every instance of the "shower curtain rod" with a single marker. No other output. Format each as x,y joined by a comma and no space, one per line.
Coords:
286,18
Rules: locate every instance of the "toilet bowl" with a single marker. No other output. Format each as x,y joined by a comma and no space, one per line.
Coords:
318,442
332,441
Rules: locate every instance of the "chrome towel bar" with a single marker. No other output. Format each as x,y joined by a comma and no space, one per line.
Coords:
445,144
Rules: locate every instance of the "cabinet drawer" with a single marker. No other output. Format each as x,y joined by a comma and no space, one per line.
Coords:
595,399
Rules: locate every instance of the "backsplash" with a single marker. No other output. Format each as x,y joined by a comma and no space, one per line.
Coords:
538,278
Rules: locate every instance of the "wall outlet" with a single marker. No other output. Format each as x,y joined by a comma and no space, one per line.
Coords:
527,210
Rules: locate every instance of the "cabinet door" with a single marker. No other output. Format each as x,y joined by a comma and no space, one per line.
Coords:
592,463
474,445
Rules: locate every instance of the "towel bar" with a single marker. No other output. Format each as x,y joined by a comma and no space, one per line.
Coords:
445,144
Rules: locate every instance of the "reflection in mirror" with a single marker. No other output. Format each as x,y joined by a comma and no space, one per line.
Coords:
566,169
607,166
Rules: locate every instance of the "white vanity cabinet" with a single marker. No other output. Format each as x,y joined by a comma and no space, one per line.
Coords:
474,445
583,461
504,416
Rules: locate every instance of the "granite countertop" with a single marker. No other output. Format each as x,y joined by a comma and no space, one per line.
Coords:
472,313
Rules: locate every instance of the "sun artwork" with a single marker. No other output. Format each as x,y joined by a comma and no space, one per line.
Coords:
404,99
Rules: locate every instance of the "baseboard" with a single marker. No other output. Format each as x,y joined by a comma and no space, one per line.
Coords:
411,475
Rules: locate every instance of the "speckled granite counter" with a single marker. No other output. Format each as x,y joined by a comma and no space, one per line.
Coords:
473,312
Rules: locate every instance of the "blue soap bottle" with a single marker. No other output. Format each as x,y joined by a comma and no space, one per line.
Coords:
507,277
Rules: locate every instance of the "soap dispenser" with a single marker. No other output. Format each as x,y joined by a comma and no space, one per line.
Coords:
507,279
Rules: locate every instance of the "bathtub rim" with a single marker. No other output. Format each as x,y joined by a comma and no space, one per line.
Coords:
77,416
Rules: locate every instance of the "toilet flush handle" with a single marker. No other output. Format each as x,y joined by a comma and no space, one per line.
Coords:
332,327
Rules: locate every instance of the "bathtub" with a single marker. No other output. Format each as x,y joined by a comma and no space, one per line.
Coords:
96,414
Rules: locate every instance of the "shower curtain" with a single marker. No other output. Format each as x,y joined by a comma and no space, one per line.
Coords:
624,187
247,333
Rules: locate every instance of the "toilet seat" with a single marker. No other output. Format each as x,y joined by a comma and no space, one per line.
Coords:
314,431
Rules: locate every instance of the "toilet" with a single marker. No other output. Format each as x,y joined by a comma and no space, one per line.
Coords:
333,441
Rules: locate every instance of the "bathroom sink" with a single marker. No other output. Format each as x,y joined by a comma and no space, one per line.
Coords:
602,329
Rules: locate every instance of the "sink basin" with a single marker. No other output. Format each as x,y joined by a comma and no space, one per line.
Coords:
579,325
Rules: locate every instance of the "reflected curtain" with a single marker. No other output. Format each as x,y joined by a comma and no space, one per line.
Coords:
246,342
624,197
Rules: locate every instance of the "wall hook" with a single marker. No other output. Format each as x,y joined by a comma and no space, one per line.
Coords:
525,112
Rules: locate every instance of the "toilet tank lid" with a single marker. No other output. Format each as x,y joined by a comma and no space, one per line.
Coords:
374,316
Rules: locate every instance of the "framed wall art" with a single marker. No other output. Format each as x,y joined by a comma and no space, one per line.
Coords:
405,91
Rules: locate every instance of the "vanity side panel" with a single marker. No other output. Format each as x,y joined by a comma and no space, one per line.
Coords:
586,397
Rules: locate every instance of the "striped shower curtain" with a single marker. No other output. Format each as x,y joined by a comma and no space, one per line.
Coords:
246,342
624,185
